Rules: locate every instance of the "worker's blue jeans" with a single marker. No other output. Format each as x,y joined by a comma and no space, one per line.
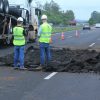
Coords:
19,56
45,55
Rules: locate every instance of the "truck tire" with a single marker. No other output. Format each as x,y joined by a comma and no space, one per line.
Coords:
1,5
15,11
6,6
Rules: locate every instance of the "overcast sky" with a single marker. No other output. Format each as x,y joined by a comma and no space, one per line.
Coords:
81,8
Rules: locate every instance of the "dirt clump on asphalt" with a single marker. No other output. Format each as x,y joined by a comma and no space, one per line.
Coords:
63,60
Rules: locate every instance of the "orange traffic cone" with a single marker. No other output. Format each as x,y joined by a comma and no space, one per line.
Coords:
77,33
62,36
50,40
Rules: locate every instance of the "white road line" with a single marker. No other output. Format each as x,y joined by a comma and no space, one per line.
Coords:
69,36
91,44
51,75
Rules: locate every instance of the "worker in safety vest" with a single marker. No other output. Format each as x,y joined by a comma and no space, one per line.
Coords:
44,34
19,44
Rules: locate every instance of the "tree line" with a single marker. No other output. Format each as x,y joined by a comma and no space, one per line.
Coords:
95,18
56,15
60,17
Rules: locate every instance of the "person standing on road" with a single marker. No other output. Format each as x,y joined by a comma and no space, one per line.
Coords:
44,34
19,44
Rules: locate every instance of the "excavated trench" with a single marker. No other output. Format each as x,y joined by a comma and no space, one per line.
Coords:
63,60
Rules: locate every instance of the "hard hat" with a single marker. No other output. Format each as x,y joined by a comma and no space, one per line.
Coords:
44,17
20,19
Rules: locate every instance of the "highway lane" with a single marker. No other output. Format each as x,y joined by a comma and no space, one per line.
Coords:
27,85
69,86
14,85
85,39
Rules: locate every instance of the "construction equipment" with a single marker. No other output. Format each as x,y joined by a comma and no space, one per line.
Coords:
10,10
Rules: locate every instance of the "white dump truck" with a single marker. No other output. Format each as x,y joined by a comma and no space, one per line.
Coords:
10,10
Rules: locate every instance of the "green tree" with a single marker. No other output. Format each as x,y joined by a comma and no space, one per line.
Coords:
55,15
68,16
95,17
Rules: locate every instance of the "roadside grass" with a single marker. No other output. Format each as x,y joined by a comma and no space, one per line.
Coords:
65,29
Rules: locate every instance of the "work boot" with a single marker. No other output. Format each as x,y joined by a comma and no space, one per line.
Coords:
23,68
39,68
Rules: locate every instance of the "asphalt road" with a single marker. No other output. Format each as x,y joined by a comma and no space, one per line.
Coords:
27,85
82,39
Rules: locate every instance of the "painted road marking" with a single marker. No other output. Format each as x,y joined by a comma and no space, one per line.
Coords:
92,45
50,76
69,36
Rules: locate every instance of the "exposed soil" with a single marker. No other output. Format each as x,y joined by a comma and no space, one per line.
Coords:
63,60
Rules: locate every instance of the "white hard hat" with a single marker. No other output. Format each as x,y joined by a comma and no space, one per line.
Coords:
20,19
44,17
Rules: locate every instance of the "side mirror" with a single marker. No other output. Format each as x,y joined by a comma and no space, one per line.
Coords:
29,1
38,12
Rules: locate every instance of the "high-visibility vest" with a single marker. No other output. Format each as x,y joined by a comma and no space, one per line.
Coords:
19,38
45,35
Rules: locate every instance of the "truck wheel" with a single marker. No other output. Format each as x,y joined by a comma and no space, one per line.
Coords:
1,5
15,11
6,6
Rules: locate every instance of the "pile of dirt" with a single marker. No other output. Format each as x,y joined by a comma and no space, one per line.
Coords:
63,60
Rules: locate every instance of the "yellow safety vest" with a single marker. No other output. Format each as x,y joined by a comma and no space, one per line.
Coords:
46,33
19,38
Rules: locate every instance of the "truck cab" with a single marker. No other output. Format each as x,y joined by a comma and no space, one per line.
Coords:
11,10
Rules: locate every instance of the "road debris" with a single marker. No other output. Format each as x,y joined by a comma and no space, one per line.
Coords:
63,60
